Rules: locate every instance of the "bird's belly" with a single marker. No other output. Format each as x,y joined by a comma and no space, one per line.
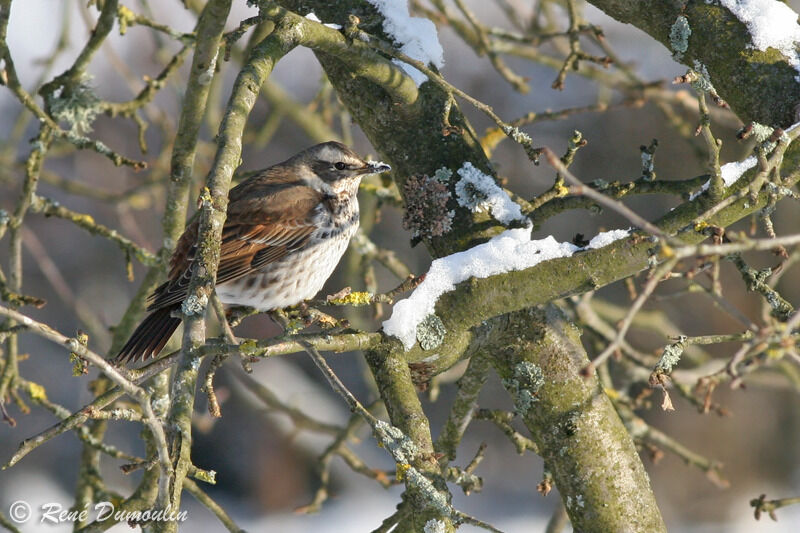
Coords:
296,277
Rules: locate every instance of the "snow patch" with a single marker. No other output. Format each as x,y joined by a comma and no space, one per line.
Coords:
478,192
416,36
607,237
511,250
771,24
311,16
730,173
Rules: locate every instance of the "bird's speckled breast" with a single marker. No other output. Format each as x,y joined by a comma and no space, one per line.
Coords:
301,274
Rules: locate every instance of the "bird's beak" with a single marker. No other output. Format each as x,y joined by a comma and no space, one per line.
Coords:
375,167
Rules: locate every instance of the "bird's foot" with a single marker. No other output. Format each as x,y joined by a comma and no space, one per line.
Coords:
284,320
296,318
325,320
237,313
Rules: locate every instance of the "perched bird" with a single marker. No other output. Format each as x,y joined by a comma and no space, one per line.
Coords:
285,231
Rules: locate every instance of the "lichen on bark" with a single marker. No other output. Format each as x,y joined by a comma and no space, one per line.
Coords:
580,436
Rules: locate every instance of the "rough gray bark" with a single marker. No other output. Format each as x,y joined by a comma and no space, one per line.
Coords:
581,438
759,86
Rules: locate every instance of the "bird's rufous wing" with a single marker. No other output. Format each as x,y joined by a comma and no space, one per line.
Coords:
261,227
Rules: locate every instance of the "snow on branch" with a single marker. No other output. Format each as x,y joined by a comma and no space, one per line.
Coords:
478,192
730,173
315,18
771,24
511,250
416,36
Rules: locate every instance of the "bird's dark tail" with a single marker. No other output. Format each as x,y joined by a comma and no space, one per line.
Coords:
150,337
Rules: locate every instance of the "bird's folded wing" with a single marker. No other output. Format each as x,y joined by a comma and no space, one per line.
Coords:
246,246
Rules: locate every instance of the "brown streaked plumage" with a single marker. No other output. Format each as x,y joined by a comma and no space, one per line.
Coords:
285,231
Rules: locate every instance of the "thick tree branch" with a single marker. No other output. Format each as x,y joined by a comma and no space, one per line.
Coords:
579,435
759,86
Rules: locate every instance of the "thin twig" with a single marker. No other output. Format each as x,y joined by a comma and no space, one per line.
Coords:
135,392
655,279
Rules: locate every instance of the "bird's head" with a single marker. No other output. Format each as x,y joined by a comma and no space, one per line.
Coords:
332,161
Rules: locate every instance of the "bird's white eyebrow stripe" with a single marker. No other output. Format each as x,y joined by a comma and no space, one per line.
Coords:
332,155
329,154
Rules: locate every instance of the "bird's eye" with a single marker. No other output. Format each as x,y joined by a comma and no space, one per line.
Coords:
339,165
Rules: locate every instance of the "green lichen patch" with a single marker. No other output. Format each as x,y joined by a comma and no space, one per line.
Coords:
443,174
434,526
671,355
403,450
760,132
194,305
76,104
679,35
701,81
431,332
529,375
526,382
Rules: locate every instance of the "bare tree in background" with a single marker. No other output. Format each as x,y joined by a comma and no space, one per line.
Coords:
524,322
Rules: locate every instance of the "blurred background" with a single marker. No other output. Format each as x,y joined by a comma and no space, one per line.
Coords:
265,466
